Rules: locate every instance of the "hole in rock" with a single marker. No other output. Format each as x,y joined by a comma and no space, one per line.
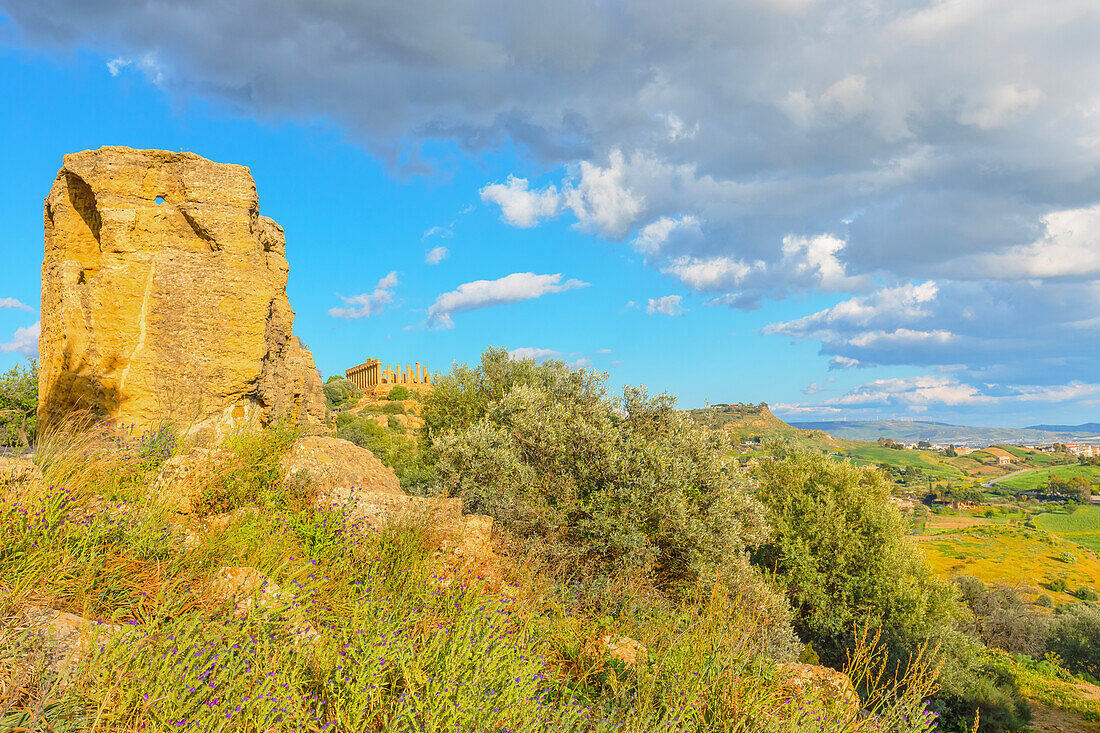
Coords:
160,200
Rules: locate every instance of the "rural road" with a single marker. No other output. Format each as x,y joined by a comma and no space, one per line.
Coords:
989,484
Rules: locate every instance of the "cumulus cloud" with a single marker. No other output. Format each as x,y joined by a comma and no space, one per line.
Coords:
519,205
534,353
485,293
934,394
880,130
654,236
13,303
436,255
365,305
24,341
668,305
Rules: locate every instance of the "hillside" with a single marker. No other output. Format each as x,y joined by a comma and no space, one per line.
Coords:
1088,428
907,431
746,421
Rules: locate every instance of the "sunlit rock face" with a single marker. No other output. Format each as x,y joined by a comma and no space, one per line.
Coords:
164,299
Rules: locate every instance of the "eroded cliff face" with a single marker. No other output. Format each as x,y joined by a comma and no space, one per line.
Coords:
164,299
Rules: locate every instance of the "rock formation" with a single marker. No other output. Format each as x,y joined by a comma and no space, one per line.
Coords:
164,299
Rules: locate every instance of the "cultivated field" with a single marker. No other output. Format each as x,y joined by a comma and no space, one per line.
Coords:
1081,526
1036,479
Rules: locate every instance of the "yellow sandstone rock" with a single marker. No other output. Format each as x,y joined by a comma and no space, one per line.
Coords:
164,299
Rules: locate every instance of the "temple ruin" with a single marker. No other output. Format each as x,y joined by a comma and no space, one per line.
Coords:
370,377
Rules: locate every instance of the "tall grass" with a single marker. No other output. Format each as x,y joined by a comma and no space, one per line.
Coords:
402,646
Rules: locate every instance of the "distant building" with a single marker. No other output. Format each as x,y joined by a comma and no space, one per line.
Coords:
1004,458
1083,449
962,450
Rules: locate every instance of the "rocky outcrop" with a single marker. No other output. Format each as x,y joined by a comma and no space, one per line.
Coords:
164,299
331,463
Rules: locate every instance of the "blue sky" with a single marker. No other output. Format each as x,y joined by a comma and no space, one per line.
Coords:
893,213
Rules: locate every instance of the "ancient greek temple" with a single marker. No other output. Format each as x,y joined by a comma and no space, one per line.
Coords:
370,375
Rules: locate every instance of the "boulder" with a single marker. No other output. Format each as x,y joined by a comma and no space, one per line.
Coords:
332,463
183,477
825,684
164,299
18,471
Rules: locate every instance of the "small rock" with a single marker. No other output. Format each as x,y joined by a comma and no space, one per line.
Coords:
183,477
18,471
826,684
247,587
620,648
69,638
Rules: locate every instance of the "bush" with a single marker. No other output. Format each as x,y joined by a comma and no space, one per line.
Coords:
844,556
608,487
1085,593
340,393
252,473
399,393
841,550
393,408
1068,557
1044,601
19,405
1001,619
1074,635
1058,585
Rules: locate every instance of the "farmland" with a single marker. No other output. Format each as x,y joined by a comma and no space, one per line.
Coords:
1012,555
1037,479
1081,526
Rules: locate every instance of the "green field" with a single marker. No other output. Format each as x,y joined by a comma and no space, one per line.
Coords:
1036,479
1082,526
932,463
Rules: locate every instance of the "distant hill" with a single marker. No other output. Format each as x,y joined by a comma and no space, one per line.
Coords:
748,421
906,431
1087,428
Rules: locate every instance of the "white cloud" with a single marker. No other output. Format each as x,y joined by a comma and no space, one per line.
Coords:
436,255
365,305
485,293
668,305
13,303
999,106
919,391
889,305
653,236
147,63
900,336
437,231
581,362
816,257
1069,248
531,352
601,200
813,388
521,206
25,341
843,362
710,274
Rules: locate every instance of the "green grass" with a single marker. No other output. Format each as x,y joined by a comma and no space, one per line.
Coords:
1038,478
930,462
1082,525
403,645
